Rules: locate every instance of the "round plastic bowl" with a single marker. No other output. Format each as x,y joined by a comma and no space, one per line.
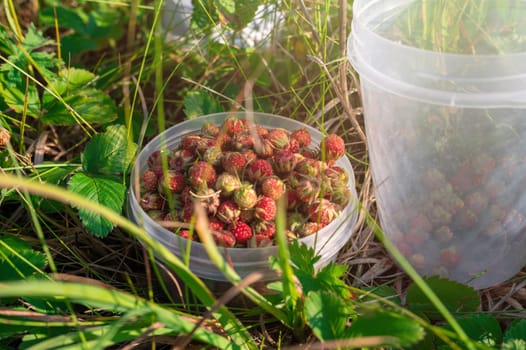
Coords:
444,94
327,242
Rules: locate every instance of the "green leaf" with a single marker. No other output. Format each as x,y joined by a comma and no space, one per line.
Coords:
18,260
481,327
34,39
383,291
517,331
402,330
109,153
14,94
200,102
74,78
67,17
327,314
106,192
92,105
239,13
455,296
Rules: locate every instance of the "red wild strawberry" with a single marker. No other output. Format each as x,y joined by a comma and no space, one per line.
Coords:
467,218
188,211
247,215
284,161
210,129
293,199
336,175
224,239
262,241
279,138
181,160
5,136
245,196
311,153
476,202
241,231
266,228
242,142
185,234
215,224
308,167
263,148
308,190
293,146
191,142
265,209
208,198
171,181
232,125
322,211
333,147
151,201
309,228
234,162
202,174
227,184
450,256
149,180
261,130
257,170
464,180
228,212
302,136
443,233
249,155
272,187
213,155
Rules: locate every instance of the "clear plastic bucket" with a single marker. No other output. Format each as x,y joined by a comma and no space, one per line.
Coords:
327,242
444,93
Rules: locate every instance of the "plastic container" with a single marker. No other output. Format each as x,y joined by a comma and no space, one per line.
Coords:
444,93
327,242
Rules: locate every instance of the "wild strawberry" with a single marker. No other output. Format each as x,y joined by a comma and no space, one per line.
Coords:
208,198
333,147
249,155
483,164
279,138
149,180
311,153
284,161
418,261
247,215
241,231
308,190
293,146
155,161
322,211
205,144
227,184
308,167
340,196
261,130
181,160
273,187
336,175
232,125
188,211
186,194
265,228
295,220
293,199
233,163
438,215
5,136
224,238
215,224
242,142
263,148
265,209
443,233
466,218
156,215
419,222
302,136
450,256
171,181
476,202
260,241
257,170
245,196
151,201
464,180
186,234
309,228
202,174
494,187
191,142
210,129
228,212
213,155
434,179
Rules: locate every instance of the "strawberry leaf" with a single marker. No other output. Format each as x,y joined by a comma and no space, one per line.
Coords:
18,260
516,331
102,190
327,314
399,330
455,296
200,102
109,153
481,327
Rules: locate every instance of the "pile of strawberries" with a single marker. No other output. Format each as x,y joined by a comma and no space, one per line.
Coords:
237,172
